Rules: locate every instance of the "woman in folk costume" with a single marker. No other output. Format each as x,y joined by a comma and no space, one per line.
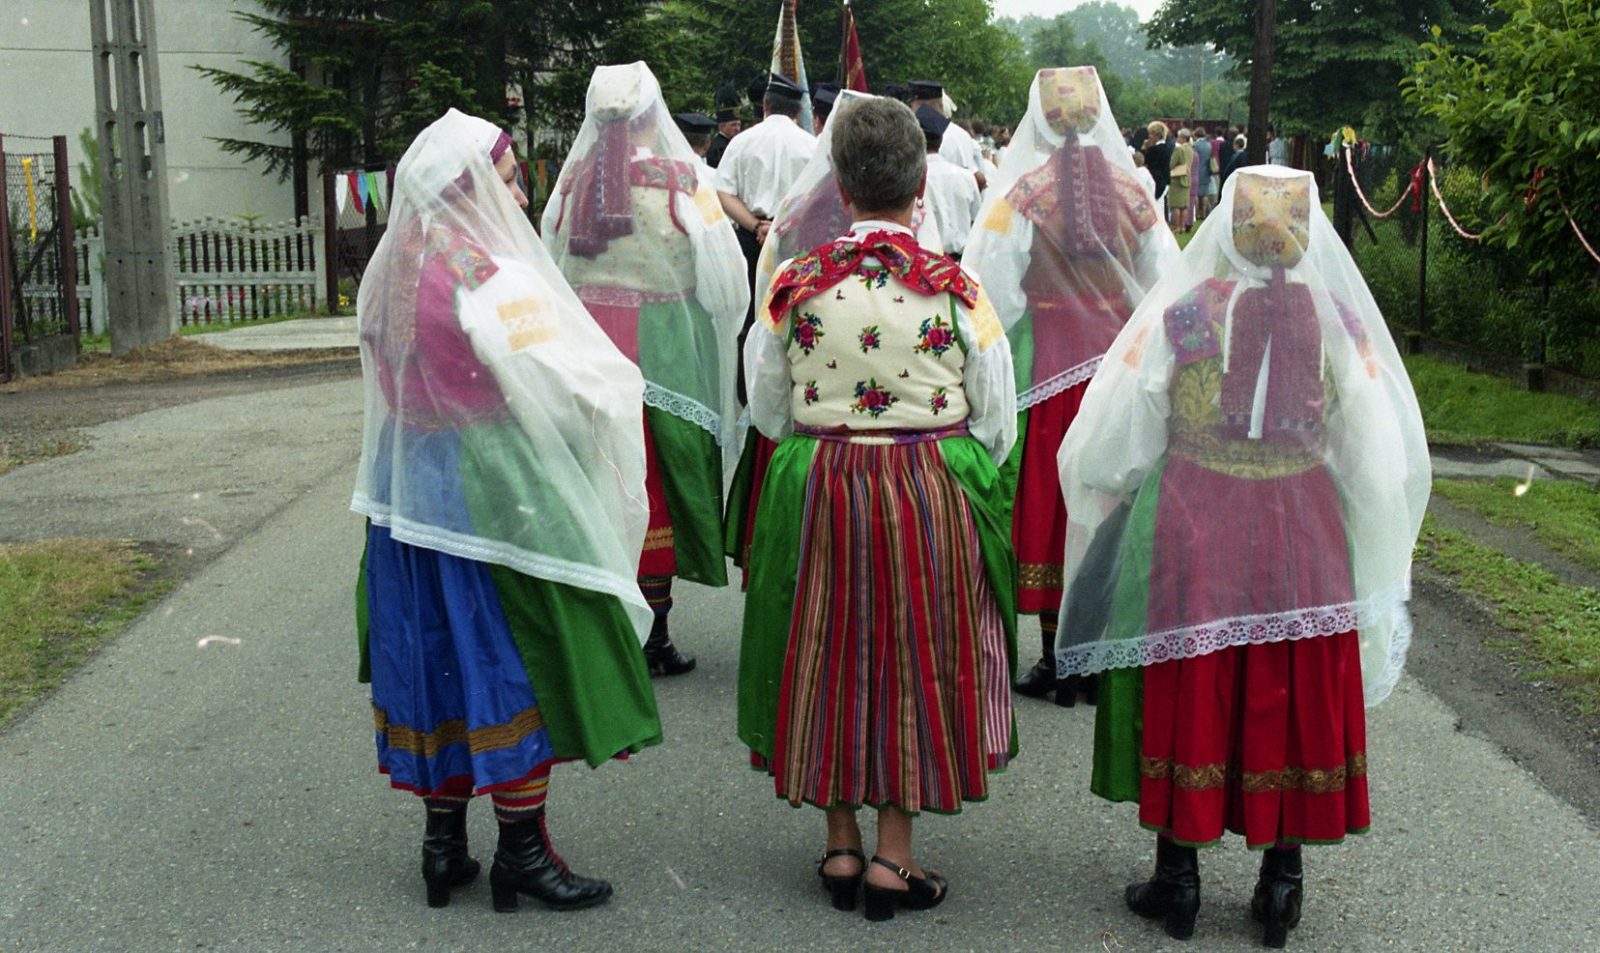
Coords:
502,476
644,243
879,630
1246,480
1067,244
810,215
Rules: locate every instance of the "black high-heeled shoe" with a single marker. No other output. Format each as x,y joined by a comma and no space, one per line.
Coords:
526,863
921,893
843,890
445,864
1173,894
1278,896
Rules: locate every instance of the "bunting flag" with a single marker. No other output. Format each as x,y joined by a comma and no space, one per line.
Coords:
361,190
375,193
786,58
357,186
852,71
341,198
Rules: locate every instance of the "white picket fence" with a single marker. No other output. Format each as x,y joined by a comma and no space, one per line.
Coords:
224,272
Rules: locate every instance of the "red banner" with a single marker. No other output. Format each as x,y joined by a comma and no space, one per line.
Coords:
852,72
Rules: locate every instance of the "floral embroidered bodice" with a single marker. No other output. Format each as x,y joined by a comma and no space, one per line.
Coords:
657,257
1261,412
871,354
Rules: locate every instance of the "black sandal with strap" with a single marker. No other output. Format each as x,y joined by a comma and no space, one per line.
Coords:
843,889
921,893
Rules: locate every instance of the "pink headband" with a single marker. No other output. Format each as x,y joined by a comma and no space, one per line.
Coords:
500,146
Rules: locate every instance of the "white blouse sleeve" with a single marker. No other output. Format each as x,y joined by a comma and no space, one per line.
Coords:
766,377
988,379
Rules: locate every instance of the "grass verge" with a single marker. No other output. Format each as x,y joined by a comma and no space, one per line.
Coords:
1558,624
1562,514
64,599
16,455
1462,407
173,359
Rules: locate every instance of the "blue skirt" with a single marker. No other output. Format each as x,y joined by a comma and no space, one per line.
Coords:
454,710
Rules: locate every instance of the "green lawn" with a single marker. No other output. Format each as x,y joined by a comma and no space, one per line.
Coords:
1558,625
1462,407
63,599
1562,514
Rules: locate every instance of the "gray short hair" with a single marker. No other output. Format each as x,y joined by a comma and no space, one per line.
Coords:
879,154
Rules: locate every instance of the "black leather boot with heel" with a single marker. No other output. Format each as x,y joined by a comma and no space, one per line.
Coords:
1279,892
525,863
1039,681
661,655
1173,894
445,864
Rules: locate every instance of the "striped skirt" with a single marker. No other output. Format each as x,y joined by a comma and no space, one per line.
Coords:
895,687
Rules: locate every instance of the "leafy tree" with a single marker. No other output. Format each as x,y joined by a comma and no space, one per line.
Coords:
695,46
367,75
1525,111
1336,62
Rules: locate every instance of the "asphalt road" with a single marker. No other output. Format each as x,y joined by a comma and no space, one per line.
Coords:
207,782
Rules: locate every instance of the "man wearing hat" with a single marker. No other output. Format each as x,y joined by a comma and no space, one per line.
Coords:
728,124
822,105
697,129
757,170
959,147
951,193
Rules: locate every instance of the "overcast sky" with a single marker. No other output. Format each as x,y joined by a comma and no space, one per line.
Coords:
1049,8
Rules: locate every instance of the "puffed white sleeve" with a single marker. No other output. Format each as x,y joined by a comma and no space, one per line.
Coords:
766,375
988,379
1121,428
720,284
997,255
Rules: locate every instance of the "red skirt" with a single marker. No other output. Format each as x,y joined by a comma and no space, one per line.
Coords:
1039,519
1267,740
896,682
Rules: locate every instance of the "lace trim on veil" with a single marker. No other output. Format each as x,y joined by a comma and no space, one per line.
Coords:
1069,378
685,408
1383,611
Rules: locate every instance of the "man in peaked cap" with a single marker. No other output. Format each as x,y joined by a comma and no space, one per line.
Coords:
951,194
728,124
757,170
697,129
822,104
959,146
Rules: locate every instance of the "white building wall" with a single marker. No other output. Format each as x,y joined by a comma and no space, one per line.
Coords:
47,89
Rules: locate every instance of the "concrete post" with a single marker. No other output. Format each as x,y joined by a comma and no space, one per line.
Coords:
133,169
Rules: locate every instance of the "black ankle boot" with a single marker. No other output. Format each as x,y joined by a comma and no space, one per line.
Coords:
1039,681
1071,688
526,863
445,864
1276,904
1173,894
661,655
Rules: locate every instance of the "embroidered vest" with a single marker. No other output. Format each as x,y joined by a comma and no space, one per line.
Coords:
656,258
871,354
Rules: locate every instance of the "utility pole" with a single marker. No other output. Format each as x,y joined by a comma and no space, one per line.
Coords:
133,174
1261,81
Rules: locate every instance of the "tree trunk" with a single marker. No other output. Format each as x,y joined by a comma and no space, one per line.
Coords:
1261,82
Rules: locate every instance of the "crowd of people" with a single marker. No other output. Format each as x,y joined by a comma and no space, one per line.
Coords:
919,384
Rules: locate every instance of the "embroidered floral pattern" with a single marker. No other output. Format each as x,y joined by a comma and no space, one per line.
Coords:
870,341
811,393
937,337
871,399
808,331
873,277
939,400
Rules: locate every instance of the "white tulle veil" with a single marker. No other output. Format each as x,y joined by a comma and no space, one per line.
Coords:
502,425
1163,393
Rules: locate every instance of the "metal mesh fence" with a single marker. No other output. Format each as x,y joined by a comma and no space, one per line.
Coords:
38,293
